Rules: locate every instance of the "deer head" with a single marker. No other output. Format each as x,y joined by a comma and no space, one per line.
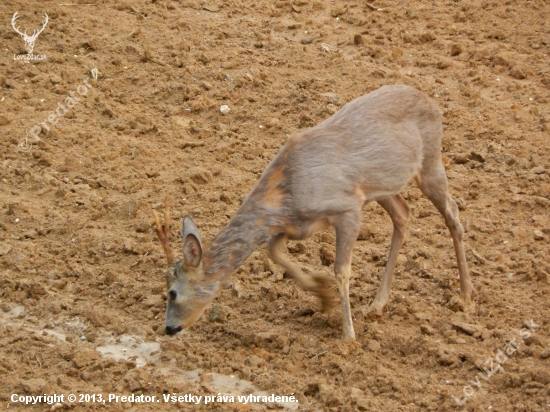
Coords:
189,291
29,40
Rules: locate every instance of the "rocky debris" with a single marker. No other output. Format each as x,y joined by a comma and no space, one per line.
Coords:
33,386
518,72
468,328
538,235
4,120
327,255
84,357
373,345
456,49
200,175
219,314
337,11
5,248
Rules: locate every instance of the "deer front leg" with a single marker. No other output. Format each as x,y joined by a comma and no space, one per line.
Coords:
347,229
319,284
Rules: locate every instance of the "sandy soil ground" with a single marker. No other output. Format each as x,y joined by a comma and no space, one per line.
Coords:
82,292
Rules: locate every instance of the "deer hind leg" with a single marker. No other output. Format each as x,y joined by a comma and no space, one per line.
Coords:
400,214
433,183
347,229
319,284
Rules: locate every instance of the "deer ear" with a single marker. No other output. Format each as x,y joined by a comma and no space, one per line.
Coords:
189,228
192,249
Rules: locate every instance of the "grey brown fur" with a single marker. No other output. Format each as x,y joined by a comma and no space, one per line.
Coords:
368,151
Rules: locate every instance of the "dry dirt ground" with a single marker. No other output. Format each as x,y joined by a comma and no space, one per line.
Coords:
82,291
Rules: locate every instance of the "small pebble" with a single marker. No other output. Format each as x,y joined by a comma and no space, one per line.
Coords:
538,235
538,170
427,330
456,49
338,11
373,346
224,109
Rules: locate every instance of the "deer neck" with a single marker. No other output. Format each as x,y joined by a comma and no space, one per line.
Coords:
245,233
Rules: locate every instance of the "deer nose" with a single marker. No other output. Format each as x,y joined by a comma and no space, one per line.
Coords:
172,330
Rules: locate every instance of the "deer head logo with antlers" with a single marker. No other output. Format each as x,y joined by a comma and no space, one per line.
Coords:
29,40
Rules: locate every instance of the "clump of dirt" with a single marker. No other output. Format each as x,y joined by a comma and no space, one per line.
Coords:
81,273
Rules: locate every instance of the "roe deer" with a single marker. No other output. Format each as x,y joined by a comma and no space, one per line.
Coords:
368,151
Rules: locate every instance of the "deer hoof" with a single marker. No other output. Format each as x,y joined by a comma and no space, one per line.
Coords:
373,312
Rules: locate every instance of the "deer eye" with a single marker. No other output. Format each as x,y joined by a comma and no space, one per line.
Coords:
173,295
